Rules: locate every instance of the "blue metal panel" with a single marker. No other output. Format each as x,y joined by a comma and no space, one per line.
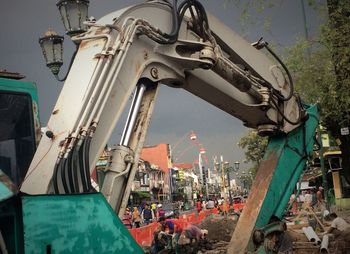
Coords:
74,224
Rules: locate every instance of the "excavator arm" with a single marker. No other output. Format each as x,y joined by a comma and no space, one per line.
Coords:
131,52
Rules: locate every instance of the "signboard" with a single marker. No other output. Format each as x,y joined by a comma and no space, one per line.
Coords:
344,131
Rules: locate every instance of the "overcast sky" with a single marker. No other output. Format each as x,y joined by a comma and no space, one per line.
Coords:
22,22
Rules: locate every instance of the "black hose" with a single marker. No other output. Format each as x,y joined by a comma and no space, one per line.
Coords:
82,166
70,64
54,178
201,15
74,167
70,172
287,72
284,116
87,163
63,175
177,16
175,27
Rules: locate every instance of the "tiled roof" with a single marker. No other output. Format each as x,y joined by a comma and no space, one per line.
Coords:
183,165
158,155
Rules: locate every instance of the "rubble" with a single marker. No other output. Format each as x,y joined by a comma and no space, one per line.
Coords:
220,230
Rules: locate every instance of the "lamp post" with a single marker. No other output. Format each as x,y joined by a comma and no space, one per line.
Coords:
228,170
202,171
52,48
73,13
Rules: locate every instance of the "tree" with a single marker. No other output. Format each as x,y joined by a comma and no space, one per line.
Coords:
336,110
255,147
321,69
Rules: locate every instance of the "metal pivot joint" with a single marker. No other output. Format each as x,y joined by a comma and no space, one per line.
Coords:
122,159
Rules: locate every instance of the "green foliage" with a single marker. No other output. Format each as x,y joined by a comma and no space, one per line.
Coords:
250,9
255,147
320,68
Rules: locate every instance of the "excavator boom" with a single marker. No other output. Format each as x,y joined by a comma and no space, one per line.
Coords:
132,52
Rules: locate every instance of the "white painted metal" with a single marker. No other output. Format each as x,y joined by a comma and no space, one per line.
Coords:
117,51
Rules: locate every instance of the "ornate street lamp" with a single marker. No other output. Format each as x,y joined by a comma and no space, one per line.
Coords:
73,14
51,45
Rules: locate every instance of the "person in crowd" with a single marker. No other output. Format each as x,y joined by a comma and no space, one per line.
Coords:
172,227
194,233
154,207
210,204
159,241
189,240
199,205
147,215
136,217
320,199
308,198
226,207
127,219
160,211
204,204
338,226
216,202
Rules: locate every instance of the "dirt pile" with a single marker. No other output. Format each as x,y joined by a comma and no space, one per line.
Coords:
219,228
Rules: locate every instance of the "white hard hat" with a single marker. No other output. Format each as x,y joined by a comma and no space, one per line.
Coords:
325,213
159,205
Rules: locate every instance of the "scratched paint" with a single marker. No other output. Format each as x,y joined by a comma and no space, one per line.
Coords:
74,224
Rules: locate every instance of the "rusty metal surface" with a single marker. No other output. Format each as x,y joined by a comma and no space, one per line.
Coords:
241,236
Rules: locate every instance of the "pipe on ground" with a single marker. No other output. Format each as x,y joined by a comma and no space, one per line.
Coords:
324,244
311,235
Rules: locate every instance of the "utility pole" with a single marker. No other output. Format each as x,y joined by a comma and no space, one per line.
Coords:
222,176
323,169
229,184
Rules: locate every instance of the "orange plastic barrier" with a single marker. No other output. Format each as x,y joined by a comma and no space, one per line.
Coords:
144,235
238,206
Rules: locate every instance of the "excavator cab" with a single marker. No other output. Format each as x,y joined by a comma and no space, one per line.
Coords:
19,126
19,136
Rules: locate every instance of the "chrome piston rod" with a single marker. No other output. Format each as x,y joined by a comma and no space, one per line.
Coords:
134,109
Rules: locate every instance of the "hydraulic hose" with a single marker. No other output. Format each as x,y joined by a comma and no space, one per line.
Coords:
74,167
63,175
70,172
87,162
54,178
82,166
287,72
